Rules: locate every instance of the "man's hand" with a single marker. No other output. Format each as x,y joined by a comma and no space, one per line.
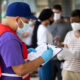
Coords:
31,50
47,55
57,38
25,34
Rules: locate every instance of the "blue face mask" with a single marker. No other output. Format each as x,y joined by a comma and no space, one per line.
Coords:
31,23
24,29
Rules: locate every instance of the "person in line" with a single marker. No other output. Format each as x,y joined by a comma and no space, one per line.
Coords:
71,66
41,36
26,33
59,30
12,50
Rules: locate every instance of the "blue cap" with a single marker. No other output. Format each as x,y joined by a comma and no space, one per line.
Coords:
20,9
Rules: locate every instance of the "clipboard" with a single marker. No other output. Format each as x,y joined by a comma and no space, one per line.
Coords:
41,49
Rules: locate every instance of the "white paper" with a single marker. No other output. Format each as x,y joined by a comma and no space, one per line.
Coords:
66,54
41,49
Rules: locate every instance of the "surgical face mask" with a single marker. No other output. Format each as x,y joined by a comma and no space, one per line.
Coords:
24,29
75,26
57,16
31,23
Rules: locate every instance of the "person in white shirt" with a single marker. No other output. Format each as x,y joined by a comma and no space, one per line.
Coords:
42,36
71,66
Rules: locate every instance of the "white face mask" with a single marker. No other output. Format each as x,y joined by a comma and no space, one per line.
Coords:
57,16
24,29
75,26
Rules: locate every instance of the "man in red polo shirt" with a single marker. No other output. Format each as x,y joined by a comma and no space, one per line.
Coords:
12,50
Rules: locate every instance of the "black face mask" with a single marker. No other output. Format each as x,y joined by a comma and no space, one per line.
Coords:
51,22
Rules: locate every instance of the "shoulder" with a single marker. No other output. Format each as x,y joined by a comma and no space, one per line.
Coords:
7,36
53,25
42,28
70,33
67,25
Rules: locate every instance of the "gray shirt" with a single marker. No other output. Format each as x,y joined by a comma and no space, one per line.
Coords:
59,29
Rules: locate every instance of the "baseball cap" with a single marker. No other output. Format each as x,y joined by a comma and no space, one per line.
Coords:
20,9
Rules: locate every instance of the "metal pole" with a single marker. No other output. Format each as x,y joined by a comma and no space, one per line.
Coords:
7,2
0,9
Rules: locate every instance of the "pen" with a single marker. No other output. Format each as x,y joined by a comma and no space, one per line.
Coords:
47,46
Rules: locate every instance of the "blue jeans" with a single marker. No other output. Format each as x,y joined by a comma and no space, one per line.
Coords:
45,72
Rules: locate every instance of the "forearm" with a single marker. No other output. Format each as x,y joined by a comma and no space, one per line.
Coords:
32,65
28,67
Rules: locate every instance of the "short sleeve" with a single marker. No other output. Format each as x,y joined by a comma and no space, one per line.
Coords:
67,38
42,36
11,53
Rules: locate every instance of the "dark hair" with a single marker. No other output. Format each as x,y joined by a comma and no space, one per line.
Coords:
76,13
58,7
44,15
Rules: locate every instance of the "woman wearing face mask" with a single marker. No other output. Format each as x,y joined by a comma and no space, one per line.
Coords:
42,36
71,67
27,35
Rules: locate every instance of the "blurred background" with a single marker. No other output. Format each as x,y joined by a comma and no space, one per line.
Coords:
38,5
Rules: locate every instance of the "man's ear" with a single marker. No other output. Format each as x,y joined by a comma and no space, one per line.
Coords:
17,19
